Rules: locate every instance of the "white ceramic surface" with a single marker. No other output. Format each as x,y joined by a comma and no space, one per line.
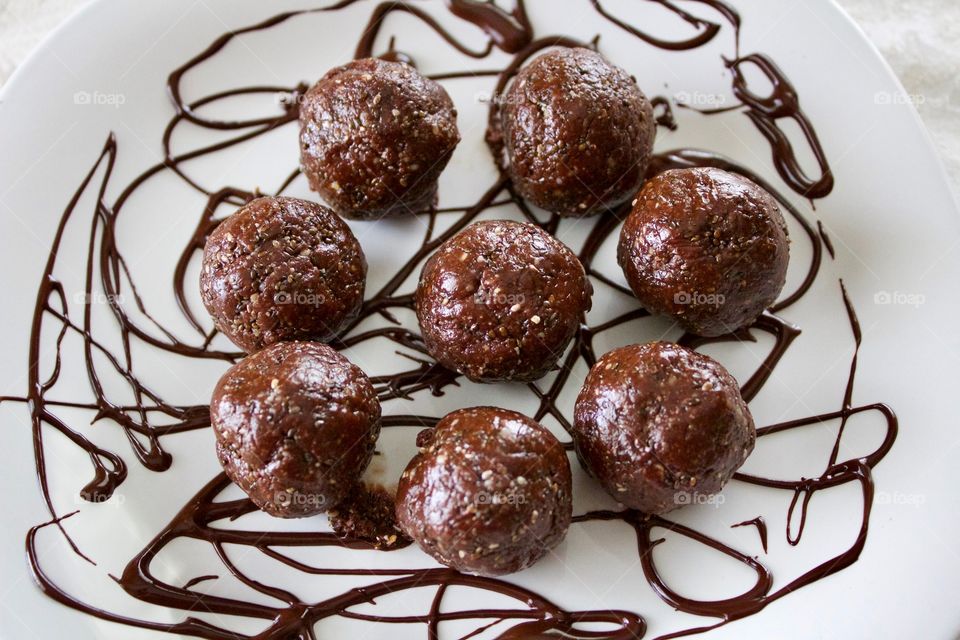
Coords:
891,218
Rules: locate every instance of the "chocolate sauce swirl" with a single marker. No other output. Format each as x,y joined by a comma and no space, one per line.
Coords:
148,420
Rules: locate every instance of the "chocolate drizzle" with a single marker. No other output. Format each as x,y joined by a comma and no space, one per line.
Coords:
705,30
827,242
663,112
149,419
761,527
765,111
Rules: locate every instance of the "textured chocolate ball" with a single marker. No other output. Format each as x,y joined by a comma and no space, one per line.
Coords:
296,425
501,300
706,247
577,131
489,493
282,269
661,426
374,138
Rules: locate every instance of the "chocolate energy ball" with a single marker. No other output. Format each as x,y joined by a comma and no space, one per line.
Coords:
296,425
578,132
489,493
660,426
707,247
501,300
374,137
282,269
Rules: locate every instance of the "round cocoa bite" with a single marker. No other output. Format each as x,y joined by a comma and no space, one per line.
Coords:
374,137
706,247
577,131
489,493
501,300
296,425
282,269
661,426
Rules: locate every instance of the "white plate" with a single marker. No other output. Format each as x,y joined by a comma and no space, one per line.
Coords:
891,217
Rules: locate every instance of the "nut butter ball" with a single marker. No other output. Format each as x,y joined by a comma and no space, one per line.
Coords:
501,300
489,493
661,426
296,425
282,269
706,247
374,138
578,132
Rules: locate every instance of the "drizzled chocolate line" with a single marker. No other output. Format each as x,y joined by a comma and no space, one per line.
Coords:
663,113
761,527
765,111
150,418
827,242
705,29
